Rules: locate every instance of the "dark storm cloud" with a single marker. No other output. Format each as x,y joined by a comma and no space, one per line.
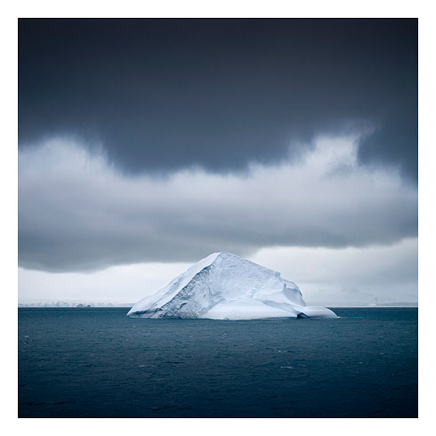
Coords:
166,94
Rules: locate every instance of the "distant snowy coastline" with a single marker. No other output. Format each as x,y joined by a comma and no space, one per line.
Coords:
115,303
72,303
97,304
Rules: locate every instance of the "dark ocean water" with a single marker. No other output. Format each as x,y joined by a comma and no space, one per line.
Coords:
98,363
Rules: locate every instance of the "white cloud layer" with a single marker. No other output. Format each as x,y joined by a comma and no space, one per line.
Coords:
117,284
326,276
356,276
78,213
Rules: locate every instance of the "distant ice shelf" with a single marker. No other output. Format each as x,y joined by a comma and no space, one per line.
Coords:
226,286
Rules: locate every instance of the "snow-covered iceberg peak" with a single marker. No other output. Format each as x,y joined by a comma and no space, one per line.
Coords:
225,286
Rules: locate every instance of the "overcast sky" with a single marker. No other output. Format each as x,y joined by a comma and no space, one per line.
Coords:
145,145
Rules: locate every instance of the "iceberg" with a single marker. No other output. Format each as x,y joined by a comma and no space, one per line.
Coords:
226,286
